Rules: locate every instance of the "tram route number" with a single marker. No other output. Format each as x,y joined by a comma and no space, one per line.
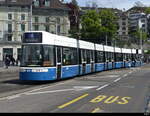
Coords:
111,99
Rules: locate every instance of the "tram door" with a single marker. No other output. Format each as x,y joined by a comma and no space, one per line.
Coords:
92,61
59,61
83,61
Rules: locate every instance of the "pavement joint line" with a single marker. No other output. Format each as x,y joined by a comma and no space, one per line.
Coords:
102,86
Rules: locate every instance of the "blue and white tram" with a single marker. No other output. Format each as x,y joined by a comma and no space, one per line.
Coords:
47,56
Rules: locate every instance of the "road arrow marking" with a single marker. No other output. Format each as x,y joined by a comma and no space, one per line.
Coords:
102,87
75,88
96,110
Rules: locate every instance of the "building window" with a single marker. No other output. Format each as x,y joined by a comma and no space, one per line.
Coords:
36,3
8,52
58,29
9,38
9,28
123,23
36,27
47,19
22,27
18,54
123,28
47,3
22,16
10,16
143,20
123,18
36,19
58,20
47,28
124,33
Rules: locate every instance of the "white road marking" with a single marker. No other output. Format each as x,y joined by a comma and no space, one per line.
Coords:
54,91
102,87
75,88
117,80
125,75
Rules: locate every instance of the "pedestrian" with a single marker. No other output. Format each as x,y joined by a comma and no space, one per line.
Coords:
7,61
13,61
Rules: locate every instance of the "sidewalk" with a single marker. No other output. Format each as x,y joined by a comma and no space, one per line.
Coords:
9,69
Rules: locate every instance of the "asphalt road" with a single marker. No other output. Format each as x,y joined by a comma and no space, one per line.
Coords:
123,90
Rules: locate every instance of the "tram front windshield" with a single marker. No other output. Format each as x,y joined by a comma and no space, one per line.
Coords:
37,55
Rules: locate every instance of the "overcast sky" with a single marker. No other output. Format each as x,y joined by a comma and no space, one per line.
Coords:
120,4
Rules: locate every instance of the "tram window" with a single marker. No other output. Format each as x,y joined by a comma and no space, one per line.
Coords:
106,56
109,56
83,56
92,55
69,56
32,55
88,56
100,57
118,57
48,56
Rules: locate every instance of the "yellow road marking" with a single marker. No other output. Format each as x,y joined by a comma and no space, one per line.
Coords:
75,100
96,110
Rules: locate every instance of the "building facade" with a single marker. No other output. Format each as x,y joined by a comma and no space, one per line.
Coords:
123,24
134,19
15,18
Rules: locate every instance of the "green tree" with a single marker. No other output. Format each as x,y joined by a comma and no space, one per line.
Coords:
109,23
98,25
147,10
137,35
91,25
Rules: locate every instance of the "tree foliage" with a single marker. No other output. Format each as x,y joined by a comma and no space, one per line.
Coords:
96,25
147,10
91,25
108,22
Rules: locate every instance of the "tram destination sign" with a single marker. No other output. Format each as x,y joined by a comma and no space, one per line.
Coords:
35,37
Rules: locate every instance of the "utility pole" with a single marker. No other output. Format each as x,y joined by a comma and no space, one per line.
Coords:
106,39
141,43
140,29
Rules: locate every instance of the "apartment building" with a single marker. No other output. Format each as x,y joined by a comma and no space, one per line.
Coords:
123,26
134,19
14,19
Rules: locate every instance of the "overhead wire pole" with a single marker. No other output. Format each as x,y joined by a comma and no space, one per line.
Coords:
32,2
140,29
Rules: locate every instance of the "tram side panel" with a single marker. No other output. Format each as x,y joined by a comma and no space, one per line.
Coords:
70,66
99,59
38,74
118,60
